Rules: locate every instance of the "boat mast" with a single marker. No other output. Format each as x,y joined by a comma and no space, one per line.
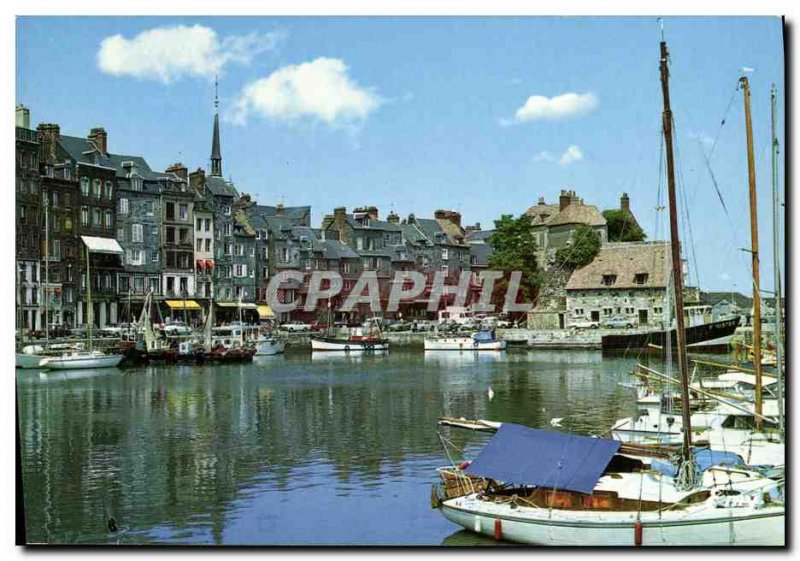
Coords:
677,274
776,244
46,267
89,306
751,177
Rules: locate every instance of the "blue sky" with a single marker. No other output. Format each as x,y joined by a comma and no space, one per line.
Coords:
425,113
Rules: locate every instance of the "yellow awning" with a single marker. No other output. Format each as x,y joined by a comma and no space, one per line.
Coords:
243,305
179,304
265,312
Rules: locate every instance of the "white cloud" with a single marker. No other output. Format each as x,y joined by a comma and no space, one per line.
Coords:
539,107
170,53
704,138
725,276
321,90
570,155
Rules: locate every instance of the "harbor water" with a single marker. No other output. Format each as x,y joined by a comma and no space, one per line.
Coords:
291,449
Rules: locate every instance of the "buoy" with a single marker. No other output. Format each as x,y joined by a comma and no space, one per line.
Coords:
463,465
637,533
498,529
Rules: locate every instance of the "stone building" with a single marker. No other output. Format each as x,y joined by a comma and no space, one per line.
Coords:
554,225
177,231
625,279
203,248
87,161
29,235
139,232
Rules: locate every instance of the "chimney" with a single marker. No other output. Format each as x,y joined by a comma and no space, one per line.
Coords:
625,202
178,169
564,199
197,181
370,211
99,137
541,200
278,207
339,215
412,219
48,134
393,218
23,117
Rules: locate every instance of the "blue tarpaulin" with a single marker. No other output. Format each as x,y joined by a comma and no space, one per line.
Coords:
703,458
521,455
483,336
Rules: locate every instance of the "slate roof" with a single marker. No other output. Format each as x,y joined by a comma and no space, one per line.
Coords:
297,213
334,249
480,253
219,187
479,235
625,260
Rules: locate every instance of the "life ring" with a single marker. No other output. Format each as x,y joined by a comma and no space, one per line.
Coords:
347,348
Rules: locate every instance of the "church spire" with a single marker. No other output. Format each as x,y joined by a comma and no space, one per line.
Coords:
216,153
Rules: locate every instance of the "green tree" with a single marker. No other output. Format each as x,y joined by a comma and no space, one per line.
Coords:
585,244
514,249
622,226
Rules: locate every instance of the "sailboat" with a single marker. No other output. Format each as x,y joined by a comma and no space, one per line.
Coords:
74,359
542,487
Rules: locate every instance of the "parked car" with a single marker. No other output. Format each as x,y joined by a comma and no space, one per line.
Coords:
504,324
585,324
618,322
296,327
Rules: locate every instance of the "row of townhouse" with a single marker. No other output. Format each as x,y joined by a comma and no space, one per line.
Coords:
189,238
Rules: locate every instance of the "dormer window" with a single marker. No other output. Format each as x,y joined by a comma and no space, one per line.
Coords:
609,280
640,278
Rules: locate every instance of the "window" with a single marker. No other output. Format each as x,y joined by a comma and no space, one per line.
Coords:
239,249
56,224
184,285
136,183
109,190
346,267
252,251
609,280
55,199
239,270
577,312
170,236
208,245
359,243
68,224
96,217
96,188
265,252
22,215
264,272
199,225
285,254
228,229
445,254
123,284
55,250
154,256
109,222
121,233
154,284
658,310
136,257
170,285
123,206
85,186
228,249
199,244
85,215
640,278
67,200
207,222
183,211
137,233
607,311
149,207
138,285
226,210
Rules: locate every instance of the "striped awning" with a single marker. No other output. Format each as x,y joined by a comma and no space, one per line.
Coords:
179,304
102,245
265,312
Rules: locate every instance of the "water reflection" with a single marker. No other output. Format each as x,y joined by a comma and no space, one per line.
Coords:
328,356
462,358
238,453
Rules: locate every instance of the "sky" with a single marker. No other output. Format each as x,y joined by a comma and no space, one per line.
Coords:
482,115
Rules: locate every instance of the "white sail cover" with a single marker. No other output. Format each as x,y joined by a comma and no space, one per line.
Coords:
102,245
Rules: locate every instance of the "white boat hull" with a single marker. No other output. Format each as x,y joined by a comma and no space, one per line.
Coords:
347,347
29,361
699,525
80,362
462,344
270,347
